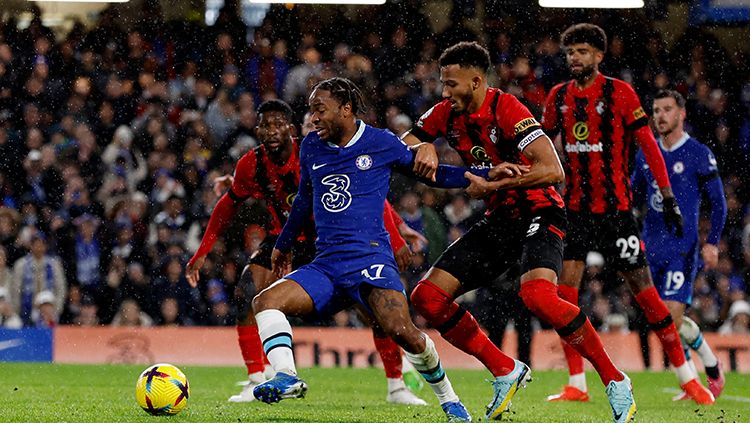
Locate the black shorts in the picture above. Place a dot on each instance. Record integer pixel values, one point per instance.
(614, 235)
(496, 244)
(303, 252)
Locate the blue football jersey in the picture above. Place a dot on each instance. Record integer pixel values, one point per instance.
(348, 186)
(691, 166)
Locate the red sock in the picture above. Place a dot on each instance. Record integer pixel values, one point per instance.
(540, 296)
(459, 327)
(390, 354)
(661, 323)
(252, 348)
(575, 361)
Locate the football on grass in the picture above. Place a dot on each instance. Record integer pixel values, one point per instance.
(162, 389)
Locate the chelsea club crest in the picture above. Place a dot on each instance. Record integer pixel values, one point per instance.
(364, 162)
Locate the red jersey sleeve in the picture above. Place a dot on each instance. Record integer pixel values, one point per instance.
(397, 241)
(433, 123)
(516, 122)
(550, 117)
(630, 106)
(245, 185)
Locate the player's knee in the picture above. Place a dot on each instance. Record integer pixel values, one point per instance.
(264, 301)
(539, 296)
(430, 301)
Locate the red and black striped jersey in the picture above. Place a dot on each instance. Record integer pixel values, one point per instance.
(257, 176)
(496, 133)
(596, 125)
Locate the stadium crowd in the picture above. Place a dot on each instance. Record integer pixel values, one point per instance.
(111, 138)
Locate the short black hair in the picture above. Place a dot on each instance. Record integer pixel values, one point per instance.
(678, 98)
(466, 54)
(276, 106)
(345, 91)
(585, 33)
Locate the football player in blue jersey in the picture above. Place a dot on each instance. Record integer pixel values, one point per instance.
(674, 260)
(345, 174)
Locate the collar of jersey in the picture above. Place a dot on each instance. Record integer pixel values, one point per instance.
(597, 82)
(485, 109)
(355, 138)
(683, 139)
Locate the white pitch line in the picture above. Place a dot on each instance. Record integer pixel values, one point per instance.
(729, 397)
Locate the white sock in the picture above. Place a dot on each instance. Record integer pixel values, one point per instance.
(691, 336)
(395, 384)
(684, 373)
(428, 364)
(276, 335)
(578, 381)
(268, 371)
(406, 365)
(256, 378)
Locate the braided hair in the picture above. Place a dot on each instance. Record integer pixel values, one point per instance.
(345, 91)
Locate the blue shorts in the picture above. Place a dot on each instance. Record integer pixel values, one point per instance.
(335, 282)
(675, 273)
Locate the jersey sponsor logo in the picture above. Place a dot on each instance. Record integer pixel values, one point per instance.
(639, 113)
(678, 167)
(524, 125)
(581, 131)
(338, 198)
(479, 153)
(363, 162)
(582, 147)
(529, 138)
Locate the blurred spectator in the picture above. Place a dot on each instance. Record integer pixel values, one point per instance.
(130, 314)
(738, 322)
(170, 312)
(37, 272)
(45, 313)
(9, 319)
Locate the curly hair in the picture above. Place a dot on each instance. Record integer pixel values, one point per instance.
(585, 33)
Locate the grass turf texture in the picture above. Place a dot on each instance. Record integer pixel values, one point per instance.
(78, 393)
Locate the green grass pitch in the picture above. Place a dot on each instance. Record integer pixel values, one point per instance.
(101, 393)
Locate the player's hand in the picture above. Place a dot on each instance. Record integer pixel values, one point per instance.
(478, 186)
(426, 161)
(672, 216)
(416, 241)
(281, 263)
(710, 254)
(403, 258)
(508, 170)
(222, 183)
(192, 270)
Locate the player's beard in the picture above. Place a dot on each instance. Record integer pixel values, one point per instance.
(584, 74)
(668, 129)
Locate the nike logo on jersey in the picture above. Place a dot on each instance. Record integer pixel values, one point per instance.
(318, 166)
(11, 343)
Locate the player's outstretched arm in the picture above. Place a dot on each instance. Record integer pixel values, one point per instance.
(545, 169)
(222, 214)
